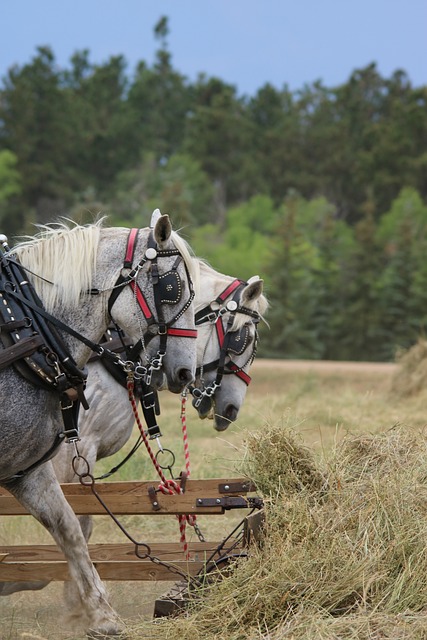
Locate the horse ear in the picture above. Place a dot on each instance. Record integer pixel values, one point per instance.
(162, 229)
(154, 217)
(252, 291)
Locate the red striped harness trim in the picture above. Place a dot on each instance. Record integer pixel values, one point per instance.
(220, 331)
(240, 374)
(141, 301)
(140, 297)
(171, 331)
(183, 333)
(229, 290)
(221, 335)
(130, 249)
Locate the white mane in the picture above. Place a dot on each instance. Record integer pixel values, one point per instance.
(65, 257)
(221, 281)
(189, 259)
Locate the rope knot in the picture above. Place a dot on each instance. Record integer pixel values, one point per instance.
(170, 487)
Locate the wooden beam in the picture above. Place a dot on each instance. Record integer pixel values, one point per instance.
(113, 561)
(124, 498)
(124, 571)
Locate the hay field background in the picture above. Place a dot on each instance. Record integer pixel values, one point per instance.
(322, 402)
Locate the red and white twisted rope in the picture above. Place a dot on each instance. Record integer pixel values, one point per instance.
(167, 487)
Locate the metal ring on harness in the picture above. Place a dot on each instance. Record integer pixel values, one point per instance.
(169, 466)
(80, 475)
(10, 286)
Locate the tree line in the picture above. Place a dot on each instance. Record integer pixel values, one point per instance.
(322, 191)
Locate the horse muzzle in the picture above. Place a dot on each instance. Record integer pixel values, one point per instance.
(223, 420)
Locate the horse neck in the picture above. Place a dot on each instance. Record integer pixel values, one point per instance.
(89, 320)
(87, 314)
(212, 284)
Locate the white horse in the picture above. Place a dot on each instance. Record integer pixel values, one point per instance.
(106, 428)
(82, 281)
(227, 312)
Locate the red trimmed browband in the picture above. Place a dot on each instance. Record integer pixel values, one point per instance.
(182, 333)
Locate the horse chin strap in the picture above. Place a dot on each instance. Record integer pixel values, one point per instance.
(167, 290)
(203, 398)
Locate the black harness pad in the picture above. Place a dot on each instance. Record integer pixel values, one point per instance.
(238, 340)
(170, 287)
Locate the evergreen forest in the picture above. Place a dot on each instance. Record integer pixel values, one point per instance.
(320, 191)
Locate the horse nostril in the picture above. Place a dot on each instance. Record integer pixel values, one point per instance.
(185, 376)
(224, 419)
(231, 412)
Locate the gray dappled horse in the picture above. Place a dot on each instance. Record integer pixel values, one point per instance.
(106, 428)
(75, 273)
(227, 314)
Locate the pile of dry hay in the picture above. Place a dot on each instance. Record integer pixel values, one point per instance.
(344, 553)
(411, 375)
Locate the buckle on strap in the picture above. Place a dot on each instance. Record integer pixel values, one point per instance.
(149, 400)
(70, 435)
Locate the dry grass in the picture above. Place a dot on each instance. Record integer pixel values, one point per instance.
(340, 458)
(344, 552)
(411, 375)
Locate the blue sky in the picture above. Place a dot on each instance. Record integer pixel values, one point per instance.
(244, 42)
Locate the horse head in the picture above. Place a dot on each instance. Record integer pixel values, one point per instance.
(227, 315)
(159, 303)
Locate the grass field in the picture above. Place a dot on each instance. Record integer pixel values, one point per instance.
(323, 401)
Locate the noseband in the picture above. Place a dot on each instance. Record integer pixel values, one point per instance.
(230, 342)
(167, 290)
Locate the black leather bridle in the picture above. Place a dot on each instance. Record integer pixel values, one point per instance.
(167, 289)
(230, 342)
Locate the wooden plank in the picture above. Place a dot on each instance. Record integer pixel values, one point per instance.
(107, 551)
(132, 498)
(113, 562)
(124, 571)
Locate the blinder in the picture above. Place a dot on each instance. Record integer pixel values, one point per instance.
(238, 340)
(170, 288)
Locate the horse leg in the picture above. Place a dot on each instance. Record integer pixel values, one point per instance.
(40, 493)
(71, 591)
(64, 472)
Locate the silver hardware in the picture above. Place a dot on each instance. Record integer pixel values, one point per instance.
(151, 253)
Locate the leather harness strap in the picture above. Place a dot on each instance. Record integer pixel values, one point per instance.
(208, 315)
(151, 256)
